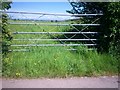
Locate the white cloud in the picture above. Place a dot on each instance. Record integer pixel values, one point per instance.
(39, 17)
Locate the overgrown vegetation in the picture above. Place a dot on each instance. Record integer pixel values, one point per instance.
(6, 35)
(58, 62)
(113, 11)
(110, 38)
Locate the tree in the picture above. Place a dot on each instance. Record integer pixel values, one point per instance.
(5, 5)
(114, 13)
(6, 35)
(109, 21)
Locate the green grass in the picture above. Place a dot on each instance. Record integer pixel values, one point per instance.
(58, 62)
(54, 61)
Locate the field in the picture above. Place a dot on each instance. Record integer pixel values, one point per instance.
(53, 61)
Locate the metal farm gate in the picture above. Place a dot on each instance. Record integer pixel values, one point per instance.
(45, 30)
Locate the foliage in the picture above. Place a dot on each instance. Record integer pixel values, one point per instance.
(114, 13)
(6, 35)
(86, 7)
(6, 5)
(110, 38)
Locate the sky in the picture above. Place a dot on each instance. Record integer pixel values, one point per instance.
(47, 7)
(51, 7)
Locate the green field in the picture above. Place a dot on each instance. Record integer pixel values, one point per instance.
(53, 61)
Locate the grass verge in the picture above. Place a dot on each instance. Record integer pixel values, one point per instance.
(58, 62)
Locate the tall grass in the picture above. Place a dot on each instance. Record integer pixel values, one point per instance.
(58, 62)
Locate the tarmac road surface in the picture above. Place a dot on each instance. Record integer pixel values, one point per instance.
(73, 82)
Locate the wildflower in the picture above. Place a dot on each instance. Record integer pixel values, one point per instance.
(18, 74)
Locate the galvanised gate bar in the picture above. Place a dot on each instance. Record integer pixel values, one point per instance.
(69, 36)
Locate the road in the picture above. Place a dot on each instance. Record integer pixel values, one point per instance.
(74, 82)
